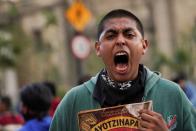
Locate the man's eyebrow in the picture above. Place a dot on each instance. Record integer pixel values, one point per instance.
(107, 32)
(115, 31)
(128, 29)
(111, 31)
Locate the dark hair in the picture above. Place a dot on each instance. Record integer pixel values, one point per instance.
(51, 87)
(180, 76)
(6, 101)
(119, 13)
(84, 78)
(37, 97)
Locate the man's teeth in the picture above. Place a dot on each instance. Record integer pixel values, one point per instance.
(120, 53)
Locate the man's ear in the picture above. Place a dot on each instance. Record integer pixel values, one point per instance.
(145, 45)
(97, 48)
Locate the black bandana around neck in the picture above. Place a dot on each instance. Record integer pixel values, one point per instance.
(111, 93)
(112, 83)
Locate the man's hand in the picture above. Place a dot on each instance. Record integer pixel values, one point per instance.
(152, 121)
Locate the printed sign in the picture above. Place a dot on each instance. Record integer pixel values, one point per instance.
(118, 118)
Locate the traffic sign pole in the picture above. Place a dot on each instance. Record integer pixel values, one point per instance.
(79, 16)
(81, 49)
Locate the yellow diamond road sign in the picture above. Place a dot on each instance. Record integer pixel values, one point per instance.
(78, 15)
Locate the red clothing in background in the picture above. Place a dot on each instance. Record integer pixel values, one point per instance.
(11, 118)
(54, 105)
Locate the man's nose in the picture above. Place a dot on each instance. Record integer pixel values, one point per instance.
(120, 41)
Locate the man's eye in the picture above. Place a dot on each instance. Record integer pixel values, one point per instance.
(110, 36)
(130, 35)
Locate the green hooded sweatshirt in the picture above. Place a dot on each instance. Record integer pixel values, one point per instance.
(168, 100)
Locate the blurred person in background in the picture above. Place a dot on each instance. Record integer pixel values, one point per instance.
(35, 99)
(55, 99)
(9, 119)
(121, 45)
(187, 86)
(83, 79)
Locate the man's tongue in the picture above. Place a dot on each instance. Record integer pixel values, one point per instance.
(121, 67)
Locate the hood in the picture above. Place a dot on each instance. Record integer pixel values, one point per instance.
(151, 80)
(90, 85)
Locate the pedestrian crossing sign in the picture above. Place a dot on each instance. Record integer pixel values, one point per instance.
(78, 15)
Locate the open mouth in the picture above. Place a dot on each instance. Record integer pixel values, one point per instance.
(121, 61)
